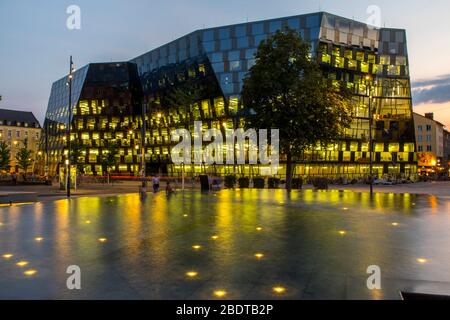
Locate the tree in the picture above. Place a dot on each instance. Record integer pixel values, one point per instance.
(109, 157)
(5, 155)
(77, 158)
(24, 159)
(288, 92)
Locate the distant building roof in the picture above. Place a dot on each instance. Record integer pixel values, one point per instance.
(18, 118)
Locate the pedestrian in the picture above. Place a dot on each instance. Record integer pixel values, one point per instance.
(155, 182)
(169, 189)
(14, 178)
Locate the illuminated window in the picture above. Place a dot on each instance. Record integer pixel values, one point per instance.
(233, 105)
(394, 147)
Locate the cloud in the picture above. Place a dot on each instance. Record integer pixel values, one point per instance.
(432, 90)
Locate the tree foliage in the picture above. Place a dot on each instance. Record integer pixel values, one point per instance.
(110, 157)
(288, 91)
(24, 158)
(5, 156)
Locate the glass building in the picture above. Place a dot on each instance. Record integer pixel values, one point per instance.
(200, 77)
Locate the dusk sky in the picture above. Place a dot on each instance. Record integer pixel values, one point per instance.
(35, 42)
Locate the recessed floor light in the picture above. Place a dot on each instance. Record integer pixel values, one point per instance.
(259, 255)
(215, 237)
(395, 224)
(345, 209)
(22, 263)
(88, 222)
(422, 260)
(39, 239)
(196, 247)
(220, 293)
(192, 274)
(30, 273)
(7, 256)
(259, 229)
(102, 240)
(279, 290)
(342, 232)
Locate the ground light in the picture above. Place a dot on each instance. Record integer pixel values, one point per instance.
(192, 274)
(279, 290)
(214, 237)
(39, 239)
(7, 256)
(395, 224)
(30, 273)
(220, 293)
(422, 260)
(259, 255)
(259, 229)
(102, 240)
(22, 263)
(342, 232)
(196, 247)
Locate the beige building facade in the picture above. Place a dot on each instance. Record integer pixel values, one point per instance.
(430, 143)
(19, 129)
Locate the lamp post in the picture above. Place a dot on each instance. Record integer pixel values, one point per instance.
(143, 130)
(71, 70)
(369, 89)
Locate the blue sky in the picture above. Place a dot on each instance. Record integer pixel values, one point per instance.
(35, 43)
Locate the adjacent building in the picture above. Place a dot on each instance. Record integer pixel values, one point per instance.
(446, 162)
(20, 129)
(200, 77)
(430, 143)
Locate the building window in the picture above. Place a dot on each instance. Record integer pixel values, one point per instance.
(242, 42)
(420, 128)
(429, 148)
(257, 28)
(428, 127)
(420, 138)
(429, 138)
(420, 148)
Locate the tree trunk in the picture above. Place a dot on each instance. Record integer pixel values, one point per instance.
(289, 172)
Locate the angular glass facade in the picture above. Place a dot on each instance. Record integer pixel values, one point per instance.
(215, 61)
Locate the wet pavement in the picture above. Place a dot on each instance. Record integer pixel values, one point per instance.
(243, 244)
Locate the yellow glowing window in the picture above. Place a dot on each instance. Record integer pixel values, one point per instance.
(386, 157)
(220, 107)
(379, 147)
(360, 56)
(364, 67)
(326, 58)
(339, 63)
(371, 58)
(394, 147)
(352, 64)
(347, 156)
(201, 68)
(233, 105)
(409, 147)
(349, 54)
(336, 51)
(85, 136)
(84, 107)
(205, 108)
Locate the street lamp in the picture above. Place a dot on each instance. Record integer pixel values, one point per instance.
(369, 90)
(143, 130)
(71, 70)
